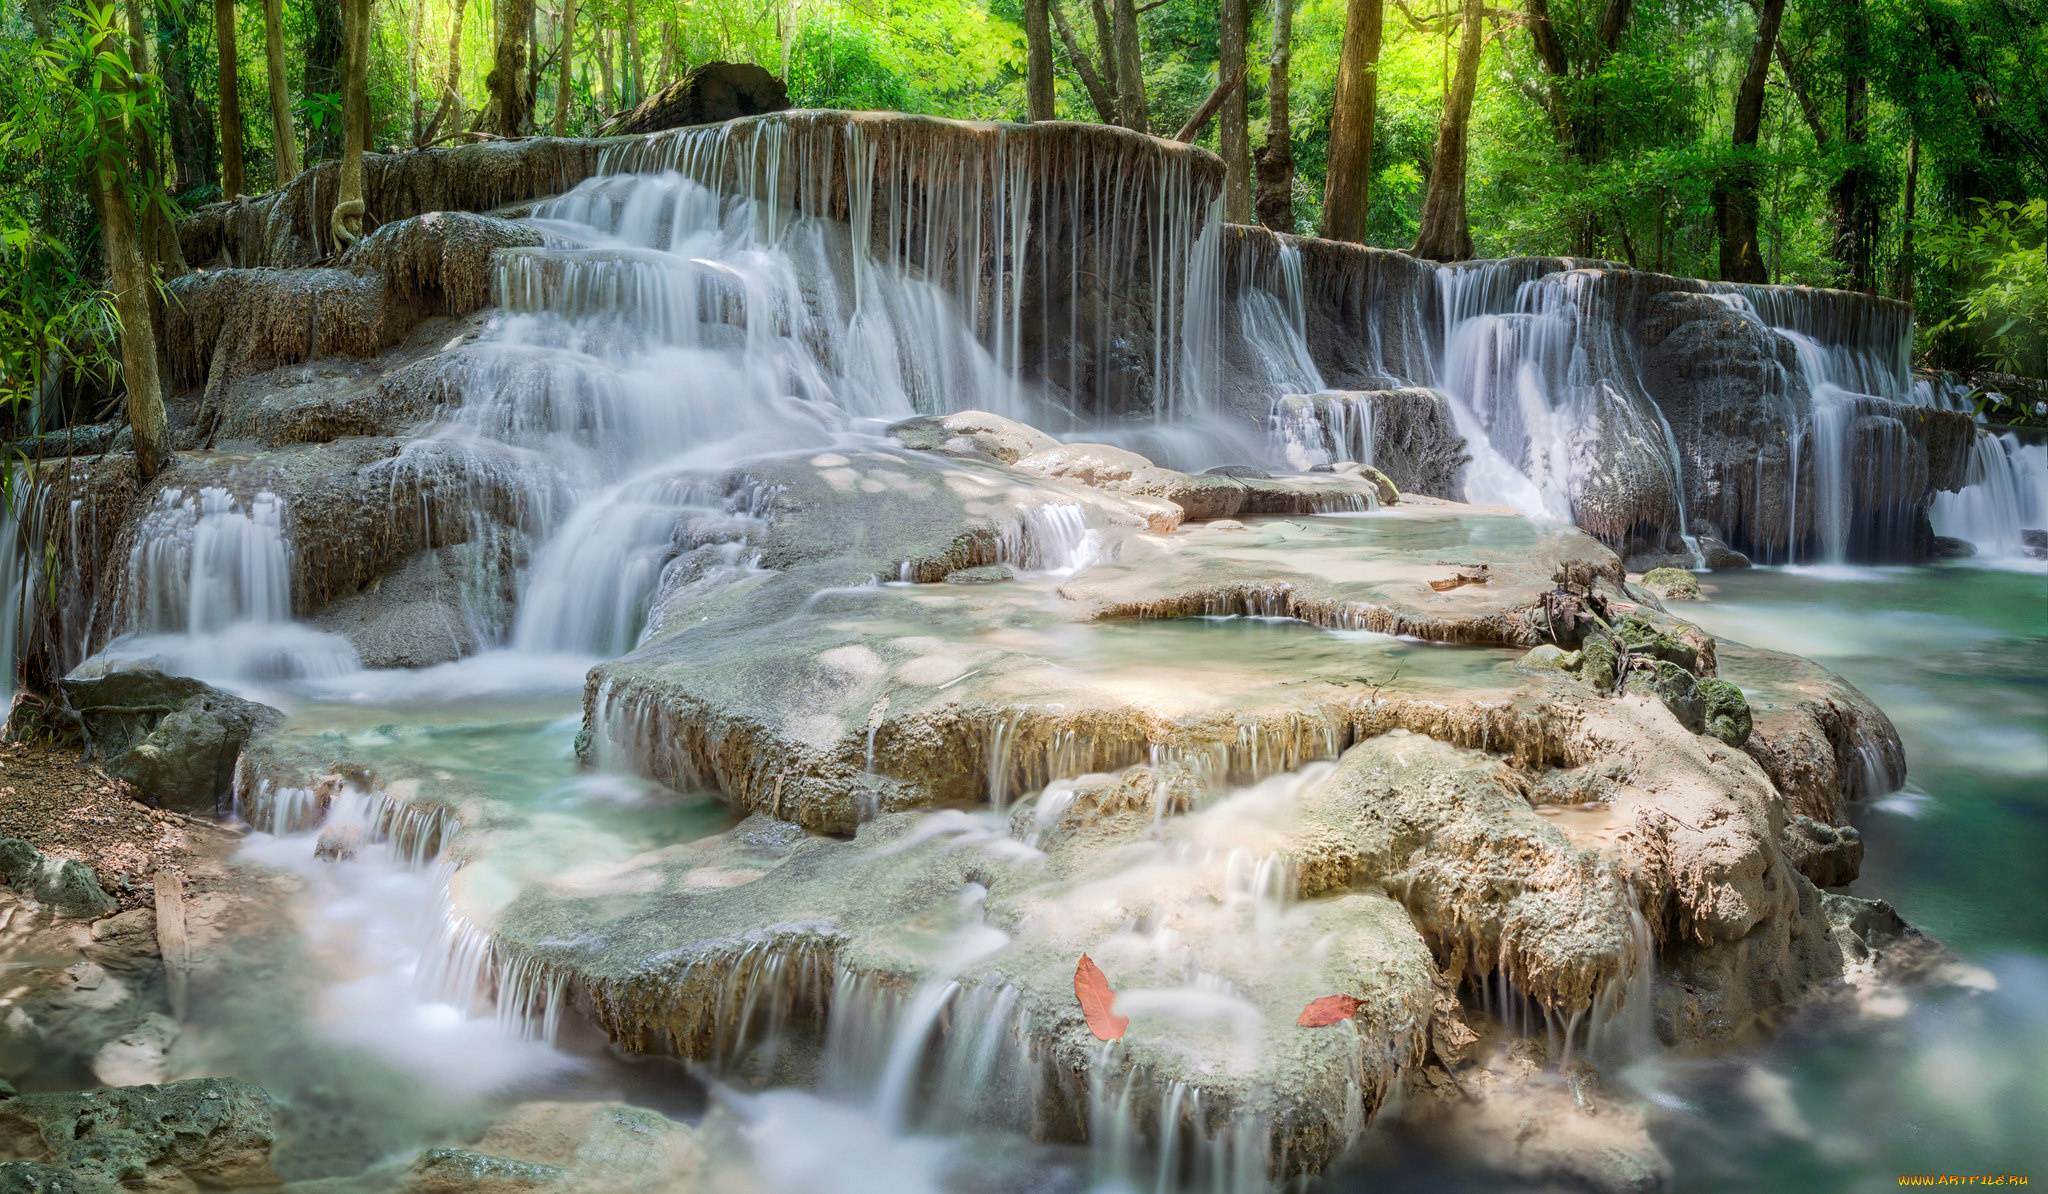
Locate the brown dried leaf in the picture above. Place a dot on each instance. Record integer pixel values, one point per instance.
(1092, 989)
(1327, 1011)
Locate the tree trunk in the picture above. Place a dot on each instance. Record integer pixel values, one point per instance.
(1234, 135)
(1099, 93)
(1853, 215)
(416, 108)
(1906, 278)
(606, 97)
(451, 88)
(231, 181)
(1735, 208)
(159, 239)
(630, 76)
(566, 76)
(325, 78)
(350, 211)
(1274, 163)
(1346, 186)
(129, 276)
(187, 121)
(284, 149)
(1105, 45)
(1130, 70)
(1038, 90)
(508, 116)
(1445, 235)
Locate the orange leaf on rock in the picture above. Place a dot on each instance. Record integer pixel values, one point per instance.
(1327, 1011)
(1092, 989)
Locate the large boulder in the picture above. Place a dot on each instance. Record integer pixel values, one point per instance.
(173, 738)
(707, 94)
(205, 1133)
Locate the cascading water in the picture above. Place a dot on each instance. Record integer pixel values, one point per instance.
(207, 591)
(2006, 494)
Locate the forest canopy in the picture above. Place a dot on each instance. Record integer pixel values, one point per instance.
(1898, 147)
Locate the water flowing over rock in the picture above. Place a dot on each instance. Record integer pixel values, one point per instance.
(1033, 566)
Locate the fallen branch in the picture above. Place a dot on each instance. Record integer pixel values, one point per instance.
(1193, 128)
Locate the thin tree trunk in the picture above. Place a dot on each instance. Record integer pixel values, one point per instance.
(565, 75)
(631, 75)
(1274, 163)
(1130, 70)
(159, 239)
(1735, 208)
(1445, 235)
(231, 182)
(1038, 89)
(451, 88)
(1906, 278)
(1099, 94)
(350, 210)
(1853, 231)
(326, 75)
(1234, 135)
(1347, 183)
(130, 277)
(187, 121)
(284, 149)
(417, 106)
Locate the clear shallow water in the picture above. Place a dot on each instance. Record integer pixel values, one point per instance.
(1935, 1079)
(1943, 1077)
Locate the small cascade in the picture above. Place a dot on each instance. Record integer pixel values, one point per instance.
(1269, 317)
(207, 561)
(2005, 493)
(207, 592)
(1544, 396)
(17, 579)
(1310, 431)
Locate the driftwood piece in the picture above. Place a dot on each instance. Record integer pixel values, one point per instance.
(170, 936)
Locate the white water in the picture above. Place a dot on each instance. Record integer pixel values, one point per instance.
(2007, 493)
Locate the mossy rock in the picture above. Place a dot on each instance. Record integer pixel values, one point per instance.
(1672, 584)
(67, 886)
(1727, 711)
(1672, 684)
(1598, 660)
(1643, 638)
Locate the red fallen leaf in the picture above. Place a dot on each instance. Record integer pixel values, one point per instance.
(1092, 989)
(1327, 1011)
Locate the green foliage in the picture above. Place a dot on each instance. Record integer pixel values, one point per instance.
(2002, 250)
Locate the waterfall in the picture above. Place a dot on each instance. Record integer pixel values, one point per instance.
(207, 592)
(2006, 492)
(17, 581)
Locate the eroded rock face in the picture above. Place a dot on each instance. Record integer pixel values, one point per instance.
(213, 1133)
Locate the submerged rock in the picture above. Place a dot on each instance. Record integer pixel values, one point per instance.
(213, 1133)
